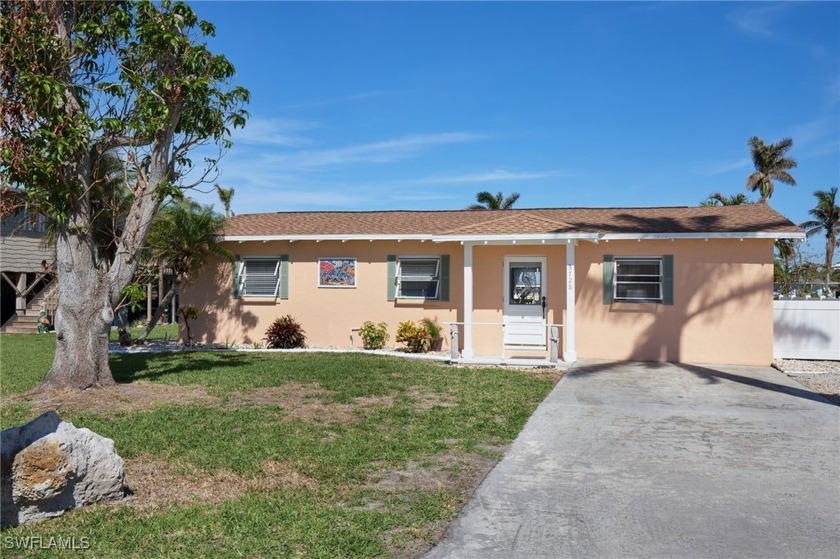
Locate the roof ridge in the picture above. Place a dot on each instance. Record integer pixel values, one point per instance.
(465, 210)
(509, 215)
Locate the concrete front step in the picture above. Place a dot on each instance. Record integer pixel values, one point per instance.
(27, 319)
(17, 329)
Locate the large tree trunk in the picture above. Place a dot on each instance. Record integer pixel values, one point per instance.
(162, 308)
(83, 318)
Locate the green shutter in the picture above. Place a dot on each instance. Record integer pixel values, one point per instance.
(284, 276)
(609, 270)
(668, 279)
(392, 277)
(444, 277)
(237, 278)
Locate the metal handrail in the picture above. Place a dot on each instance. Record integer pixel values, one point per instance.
(553, 338)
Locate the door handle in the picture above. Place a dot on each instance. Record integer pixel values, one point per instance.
(543, 306)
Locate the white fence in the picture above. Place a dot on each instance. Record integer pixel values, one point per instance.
(806, 329)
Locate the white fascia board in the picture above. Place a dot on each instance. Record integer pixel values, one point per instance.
(356, 237)
(746, 235)
(525, 237)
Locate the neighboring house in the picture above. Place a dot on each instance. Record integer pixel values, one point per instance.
(683, 284)
(25, 271)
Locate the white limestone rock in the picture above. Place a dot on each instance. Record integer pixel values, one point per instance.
(49, 466)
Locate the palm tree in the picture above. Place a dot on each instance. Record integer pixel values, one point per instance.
(182, 237)
(826, 216)
(487, 201)
(786, 249)
(770, 163)
(783, 271)
(720, 199)
(226, 197)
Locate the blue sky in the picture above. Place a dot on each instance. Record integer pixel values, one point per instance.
(420, 105)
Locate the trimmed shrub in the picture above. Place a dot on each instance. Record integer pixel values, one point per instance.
(416, 338)
(373, 335)
(432, 326)
(435, 331)
(285, 333)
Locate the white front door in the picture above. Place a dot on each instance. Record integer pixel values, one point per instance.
(524, 313)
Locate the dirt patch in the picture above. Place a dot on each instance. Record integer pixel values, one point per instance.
(115, 399)
(428, 399)
(156, 484)
(306, 402)
(414, 541)
(456, 473)
(445, 472)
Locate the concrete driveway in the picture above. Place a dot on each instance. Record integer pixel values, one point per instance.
(663, 460)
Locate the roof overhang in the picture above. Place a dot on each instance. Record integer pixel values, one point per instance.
(718, 235)
(319, 238)
(524, 238)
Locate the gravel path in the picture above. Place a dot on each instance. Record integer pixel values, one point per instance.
(823, 377)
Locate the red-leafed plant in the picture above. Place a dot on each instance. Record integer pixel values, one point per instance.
(285, 333)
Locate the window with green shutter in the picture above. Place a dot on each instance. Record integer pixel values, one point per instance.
(418, 277)
(634, 279)
(260, 277)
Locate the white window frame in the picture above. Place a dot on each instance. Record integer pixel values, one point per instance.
(646, 259)
(243, 281)
(435, 278)
(355, 275)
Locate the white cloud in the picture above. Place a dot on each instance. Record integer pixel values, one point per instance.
(273, 132)
(833, 91)
(814, 130)
(353, 97)
(831, 147)
(723, 167)
(420, 197)
(496, 175)
(297, 198)
(377, 152)
(757, 21)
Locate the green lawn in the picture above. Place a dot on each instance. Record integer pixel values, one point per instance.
(159, 332)
(341, 422)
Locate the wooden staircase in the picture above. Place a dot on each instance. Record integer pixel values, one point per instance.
(27, 323)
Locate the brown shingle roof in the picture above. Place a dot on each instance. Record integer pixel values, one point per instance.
(750, 218)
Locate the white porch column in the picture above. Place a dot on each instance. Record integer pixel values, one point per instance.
(569, 352)
(467, 352)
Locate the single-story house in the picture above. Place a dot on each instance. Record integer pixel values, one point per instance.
(680, 284)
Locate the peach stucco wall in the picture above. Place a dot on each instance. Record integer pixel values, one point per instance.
(326, 314)
(722, 311)
(488, 291)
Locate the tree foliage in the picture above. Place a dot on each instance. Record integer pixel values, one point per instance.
(226, 198)
(826, 220)
(183, 237)
(82, 83)
(721, 199)
(489, 201)
(770, 164)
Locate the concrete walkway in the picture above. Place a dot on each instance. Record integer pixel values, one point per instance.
(663, 460)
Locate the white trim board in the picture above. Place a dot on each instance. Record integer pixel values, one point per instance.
(525, 238)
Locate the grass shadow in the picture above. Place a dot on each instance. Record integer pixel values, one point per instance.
(128, 368)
